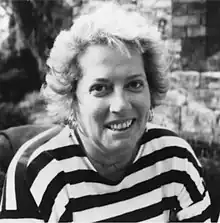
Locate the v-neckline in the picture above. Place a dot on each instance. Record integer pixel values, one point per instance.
(110, 180)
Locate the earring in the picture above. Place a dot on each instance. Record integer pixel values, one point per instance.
(72, 121)
(151, 115)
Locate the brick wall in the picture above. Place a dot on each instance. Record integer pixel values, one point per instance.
(196, 24)
(192, 105)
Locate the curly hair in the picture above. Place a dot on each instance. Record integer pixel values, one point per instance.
(109, 25)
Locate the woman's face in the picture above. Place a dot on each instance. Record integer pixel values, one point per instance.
(113, 99)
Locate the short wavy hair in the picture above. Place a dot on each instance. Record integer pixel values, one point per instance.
(110, 25)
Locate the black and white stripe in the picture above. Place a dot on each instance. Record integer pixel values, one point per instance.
(61, 184)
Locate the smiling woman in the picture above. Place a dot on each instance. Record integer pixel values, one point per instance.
(113, 106)
(108, 163)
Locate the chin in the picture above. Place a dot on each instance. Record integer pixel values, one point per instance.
(122, 145)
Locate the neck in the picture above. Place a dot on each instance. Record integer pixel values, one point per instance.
(111, 165)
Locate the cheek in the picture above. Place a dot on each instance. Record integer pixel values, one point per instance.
(99, 114)
(144, 111)
(143, 104)
(94, 114)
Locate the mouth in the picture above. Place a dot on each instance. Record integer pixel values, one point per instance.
(121, 126)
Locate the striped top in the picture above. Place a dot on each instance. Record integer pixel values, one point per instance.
(55, 182)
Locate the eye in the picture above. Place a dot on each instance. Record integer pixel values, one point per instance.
(99, 89)
(135, 85)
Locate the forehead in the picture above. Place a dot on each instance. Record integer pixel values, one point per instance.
(99, 60)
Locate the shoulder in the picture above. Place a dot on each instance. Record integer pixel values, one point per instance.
(163, 136)
(166, 143)
(169, 154)
(155, 131)
(160, 134)
(50, 147)
(31, 147)
(17, 173)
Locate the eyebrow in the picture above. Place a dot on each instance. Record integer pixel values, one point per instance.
(129, 78)
(136, 75)
(102, 80)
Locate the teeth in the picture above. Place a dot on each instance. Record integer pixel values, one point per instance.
(121, 126)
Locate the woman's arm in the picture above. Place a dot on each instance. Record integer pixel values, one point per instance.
(194, 200)
(17, 203)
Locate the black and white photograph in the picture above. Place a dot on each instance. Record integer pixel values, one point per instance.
(109, 111)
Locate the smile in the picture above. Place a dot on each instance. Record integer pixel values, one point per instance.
(121, 126)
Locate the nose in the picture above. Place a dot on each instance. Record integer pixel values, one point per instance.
(120, 102)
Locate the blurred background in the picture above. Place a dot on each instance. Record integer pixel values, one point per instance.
(189, 31)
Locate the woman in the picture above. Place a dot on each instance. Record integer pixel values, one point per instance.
(108, 163)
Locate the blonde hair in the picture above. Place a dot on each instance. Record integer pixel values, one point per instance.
(109, 25)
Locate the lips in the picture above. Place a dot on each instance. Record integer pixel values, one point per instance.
(120, 125)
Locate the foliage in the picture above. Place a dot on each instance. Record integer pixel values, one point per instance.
(30, 110)
(33, 26)
(11, 115)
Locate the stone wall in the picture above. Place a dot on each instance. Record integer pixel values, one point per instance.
(196, 24)
(192, 105)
